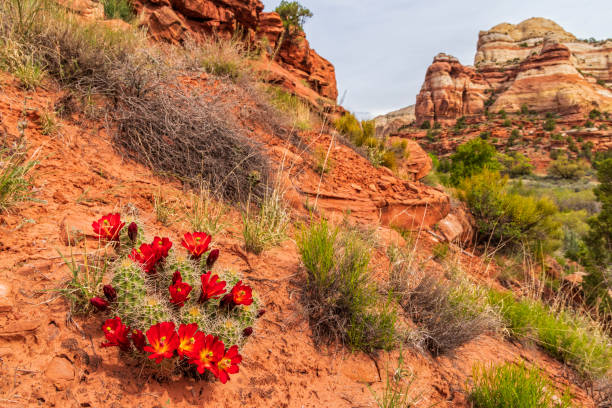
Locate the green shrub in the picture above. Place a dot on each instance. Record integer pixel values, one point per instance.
(293, 14)
(550, 124)
(594, 114)
(564, 168)
(118, 9)
(598, 257)
(514, 164)
(524, 109)
(507, 123)
(572, 338)
(485, 135)
(506, 218)
(513, 386)
(502, 114)
(339, 296)
(471, 158)
(426, 125)
(322, 162)
(349, 126)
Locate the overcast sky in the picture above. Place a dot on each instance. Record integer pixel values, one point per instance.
(382, 48)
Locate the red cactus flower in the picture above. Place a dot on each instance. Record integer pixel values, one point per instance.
(163, 341)
(146, 256)
(196, 243)
(179, 292)
(212, 288)
(108, 227)
(161, 246)
(228, 364)
(99, 303)
(109, 292)
(116, 333)
(189, 339)
(132, 231)
(239, 295)
(247, 331)
(212, 258)
(207, 352)
(139, 340)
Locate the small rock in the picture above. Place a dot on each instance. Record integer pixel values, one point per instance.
(60, 372)
(20, 328)
(59, 197)
(74, 229)
(372, 187)
(6, 299)
(356, 187)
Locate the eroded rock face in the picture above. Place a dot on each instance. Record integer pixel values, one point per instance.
(175, 20)
(450, 90)
(295, 55)
(535, 63)
(394, 121)
(303, 71)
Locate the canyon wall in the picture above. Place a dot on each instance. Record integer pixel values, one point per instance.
(535, 63)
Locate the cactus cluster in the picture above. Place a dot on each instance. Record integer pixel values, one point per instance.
(143, 300)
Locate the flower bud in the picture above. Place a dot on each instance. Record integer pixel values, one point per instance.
(247, 331)
(176, 277)
(133, 231)
(139, 340)
(99, 303)
(110, 293)
(260, 312)
(212, 258)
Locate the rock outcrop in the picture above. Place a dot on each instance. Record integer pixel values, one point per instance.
(394, 121)
(175, 20)
(295, 55)
(535, 63)
(295, 65)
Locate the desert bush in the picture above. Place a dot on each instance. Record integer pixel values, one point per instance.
(513, 386)
(293, 14)
(598, 256)
(448, 315)
(564, 168)
(339, 297)
(164, 211)
(514, 164)
(506, 218)
(425, 125)
(471, 158)
(349, 126)
(507, 123)
(567, 335)
(267, 226)
(549, 124)
(121, 9)
(15, 175)
(148, 106)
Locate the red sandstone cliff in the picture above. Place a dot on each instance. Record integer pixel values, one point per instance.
(300, 69)
(535, 63)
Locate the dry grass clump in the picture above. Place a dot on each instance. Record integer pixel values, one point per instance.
(15, 172)
(448, 314)
(175, 129)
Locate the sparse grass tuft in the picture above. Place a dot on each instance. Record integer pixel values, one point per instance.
(514, 386)
(340, 298)
(206, 214)
(164, 211)
(323, 161)
(29, 73)
(15, 168)
(121, 9)
(572, 338)
(48, 123)
(298, 110)
(268, 226)
(397, 391)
